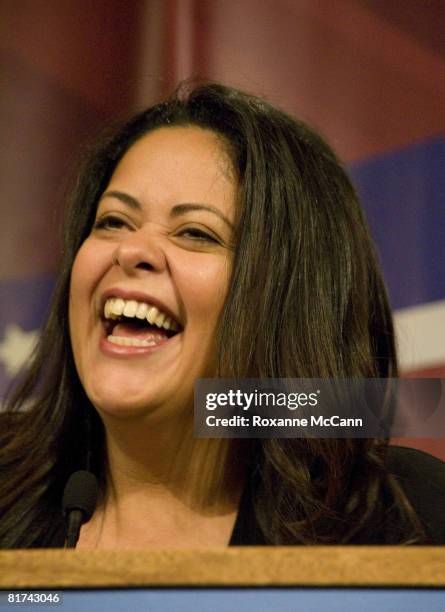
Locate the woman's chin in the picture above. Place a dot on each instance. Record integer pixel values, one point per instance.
(121, 400)
(123, 411)
(152, 407)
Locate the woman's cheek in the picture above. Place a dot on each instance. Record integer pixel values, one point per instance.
(88, 269)
(205, 285)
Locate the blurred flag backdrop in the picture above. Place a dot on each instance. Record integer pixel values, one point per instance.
(368, 74)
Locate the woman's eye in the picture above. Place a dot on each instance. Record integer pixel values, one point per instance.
(109, 223)
(196, 234)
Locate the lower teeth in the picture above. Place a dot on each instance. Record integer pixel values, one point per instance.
(125, 341)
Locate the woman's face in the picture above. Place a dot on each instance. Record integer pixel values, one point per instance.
(159, 255)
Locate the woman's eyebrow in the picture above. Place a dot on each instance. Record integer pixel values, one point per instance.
(181, 209)
(123, 197)
(176, 211)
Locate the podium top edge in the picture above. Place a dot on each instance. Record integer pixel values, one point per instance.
(316, 566)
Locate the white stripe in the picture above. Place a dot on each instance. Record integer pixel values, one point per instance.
(420, 334)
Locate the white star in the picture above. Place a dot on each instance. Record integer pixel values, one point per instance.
(16, 347)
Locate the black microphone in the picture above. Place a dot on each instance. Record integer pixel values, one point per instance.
(78, 503)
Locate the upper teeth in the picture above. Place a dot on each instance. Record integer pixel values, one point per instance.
(116, 307)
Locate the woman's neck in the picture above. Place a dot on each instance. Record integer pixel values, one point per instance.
(167, 488)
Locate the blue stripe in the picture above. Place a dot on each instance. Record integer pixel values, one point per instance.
(403, 194)
(25, 302)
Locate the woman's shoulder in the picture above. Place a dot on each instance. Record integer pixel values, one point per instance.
(422, 478)
(418, 468)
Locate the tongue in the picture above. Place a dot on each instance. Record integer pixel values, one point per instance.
(128, 330)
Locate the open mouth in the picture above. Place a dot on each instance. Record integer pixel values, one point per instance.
(138, 324)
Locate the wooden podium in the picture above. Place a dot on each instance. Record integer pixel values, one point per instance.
(299, 572)
(320, 566)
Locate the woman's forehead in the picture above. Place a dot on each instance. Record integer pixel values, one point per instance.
(174, 146)
(181, 164)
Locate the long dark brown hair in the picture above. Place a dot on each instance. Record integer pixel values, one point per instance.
(306, 300)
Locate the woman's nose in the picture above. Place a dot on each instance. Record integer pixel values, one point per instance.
(139, 251)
